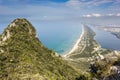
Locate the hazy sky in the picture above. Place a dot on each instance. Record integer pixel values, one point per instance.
(59, 10)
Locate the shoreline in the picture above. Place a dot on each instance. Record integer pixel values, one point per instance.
(75, 46)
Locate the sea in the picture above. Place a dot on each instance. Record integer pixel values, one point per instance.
(61, 36)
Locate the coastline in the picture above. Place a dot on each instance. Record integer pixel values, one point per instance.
(75, 46)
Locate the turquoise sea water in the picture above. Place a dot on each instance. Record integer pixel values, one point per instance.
(59, 36)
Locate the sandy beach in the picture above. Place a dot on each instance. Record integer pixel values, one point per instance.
(76, 44)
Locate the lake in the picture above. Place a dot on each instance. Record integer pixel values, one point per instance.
(106, 39)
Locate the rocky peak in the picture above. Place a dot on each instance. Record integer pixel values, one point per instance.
(19, 26)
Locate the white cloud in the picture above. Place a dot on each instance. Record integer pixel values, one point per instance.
(92, 15)
(88, 15)
(54, 11)
(38, 12)
(118, 14)
(99, 2)
(110, 14)
(74, 4)
(96, 15)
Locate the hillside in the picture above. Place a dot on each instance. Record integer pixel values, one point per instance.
(23, 57)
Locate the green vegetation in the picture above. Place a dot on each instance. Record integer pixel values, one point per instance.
(23, 57)
(103, 69)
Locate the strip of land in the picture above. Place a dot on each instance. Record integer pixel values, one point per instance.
(78, 41)
(85, 50)
(86, 41)
(76, 45)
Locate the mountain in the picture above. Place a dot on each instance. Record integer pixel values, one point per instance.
(24, 57)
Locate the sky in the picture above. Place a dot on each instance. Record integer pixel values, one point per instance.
(60, 10)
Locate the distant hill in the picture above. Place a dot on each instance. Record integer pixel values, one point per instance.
(23, 57)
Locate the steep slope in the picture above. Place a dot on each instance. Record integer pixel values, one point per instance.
(23, 57)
